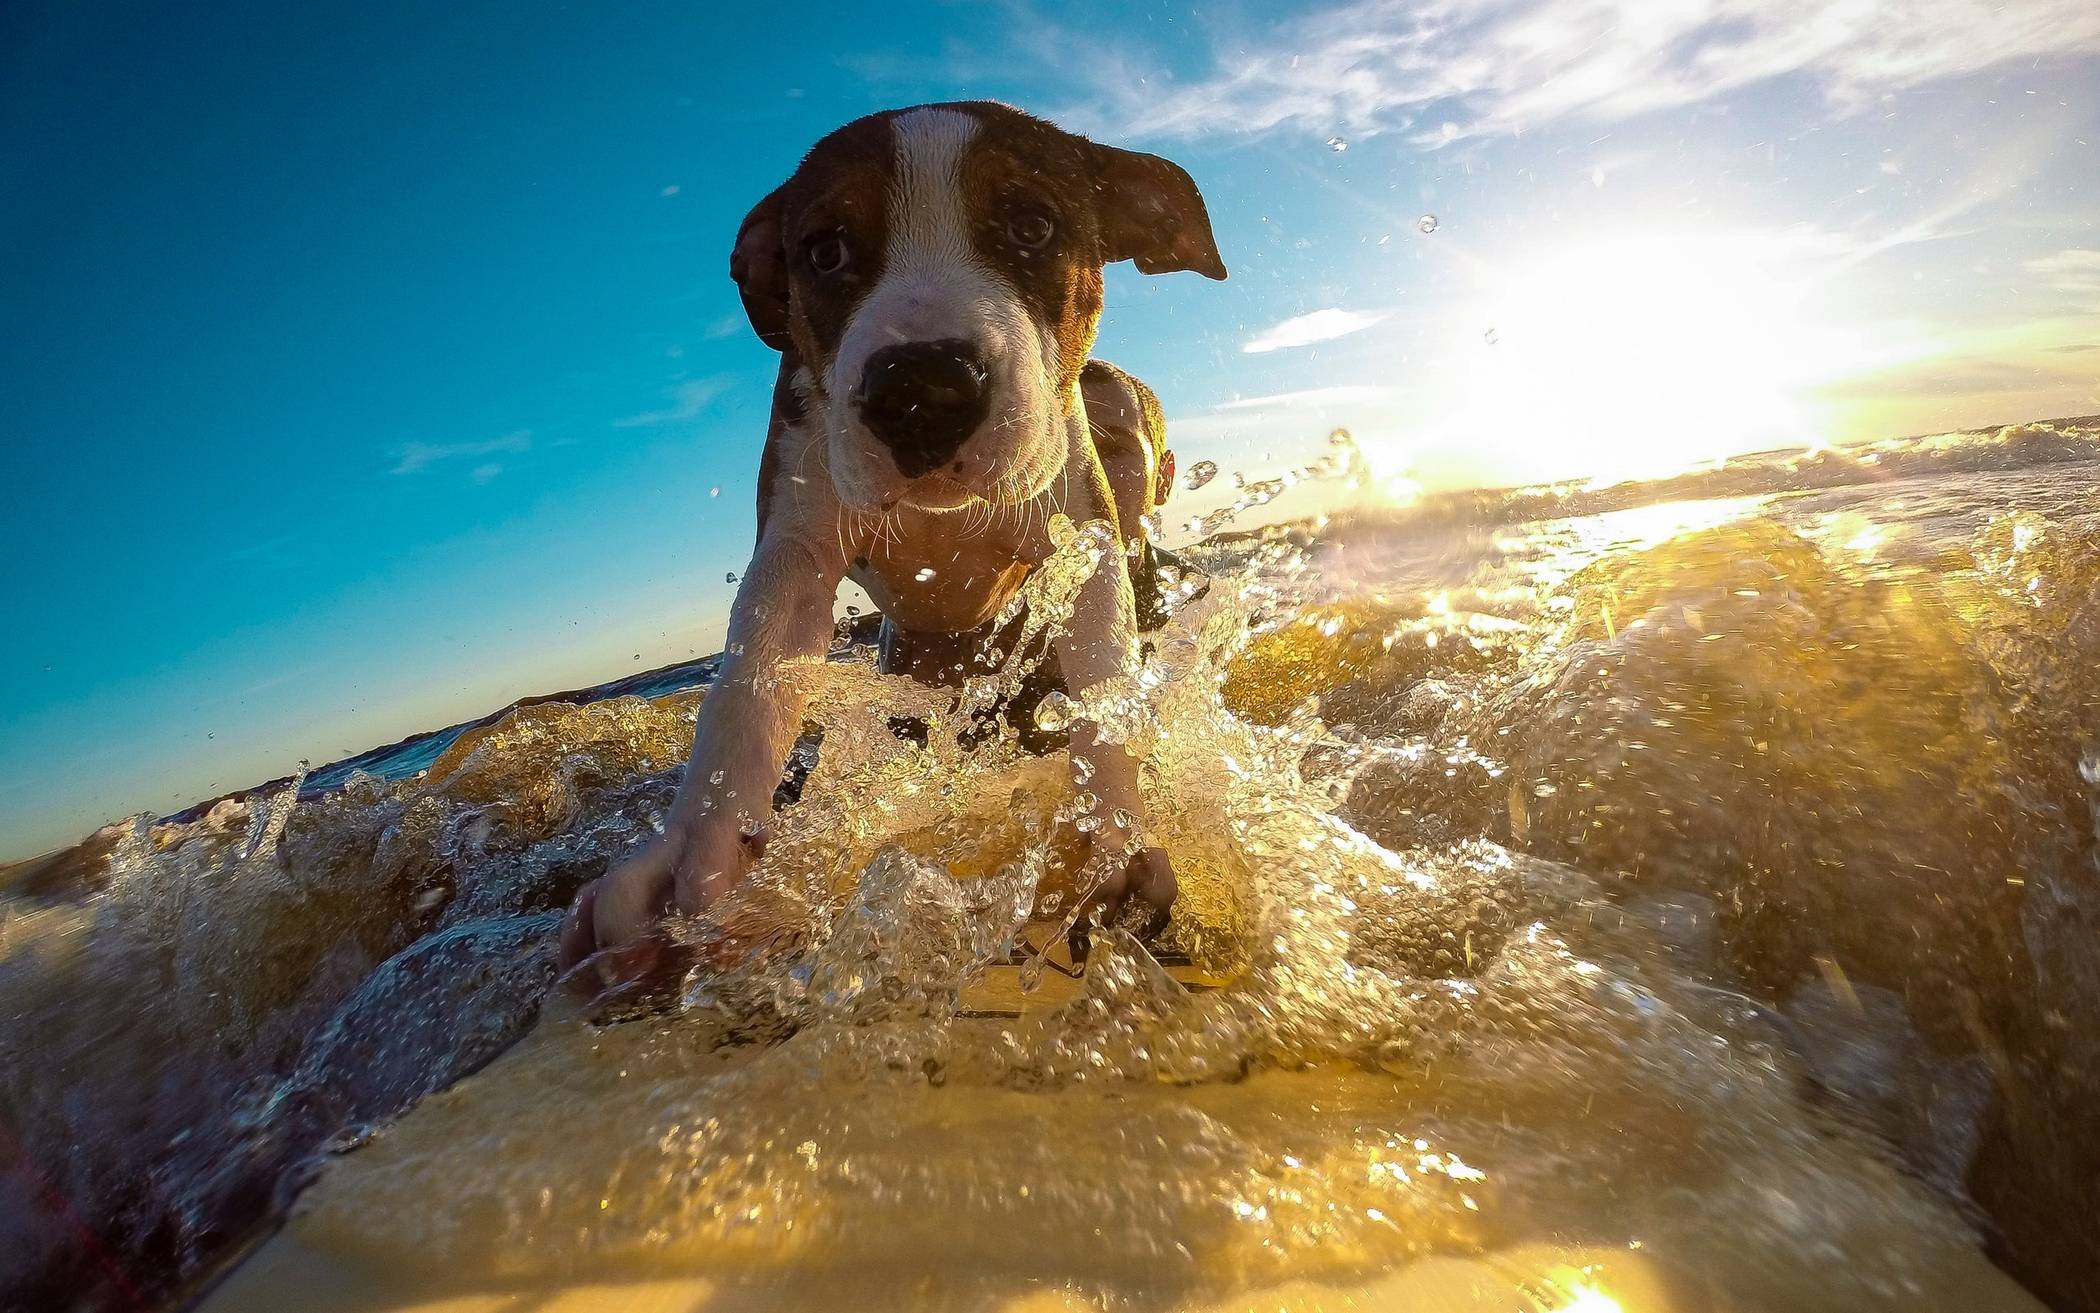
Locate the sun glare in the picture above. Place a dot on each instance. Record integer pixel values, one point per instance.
(1589, 1299)
(1636, 357)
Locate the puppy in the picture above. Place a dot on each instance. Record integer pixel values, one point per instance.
(932, 280)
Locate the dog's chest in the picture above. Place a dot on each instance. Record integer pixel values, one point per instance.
(939, 573)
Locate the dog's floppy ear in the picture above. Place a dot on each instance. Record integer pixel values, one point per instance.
(1152, 213)
(758, 262)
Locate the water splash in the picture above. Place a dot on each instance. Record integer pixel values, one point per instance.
(1491, 849)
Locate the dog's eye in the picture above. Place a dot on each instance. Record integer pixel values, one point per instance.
(1030, 228)
(828, 253)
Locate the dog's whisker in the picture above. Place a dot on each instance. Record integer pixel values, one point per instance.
(838, 524)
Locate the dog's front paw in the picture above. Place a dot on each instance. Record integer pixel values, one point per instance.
(1139, 891)
(685, 869)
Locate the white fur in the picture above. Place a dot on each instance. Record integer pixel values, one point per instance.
(934, 285)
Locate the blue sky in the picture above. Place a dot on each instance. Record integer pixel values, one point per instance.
(369, 366)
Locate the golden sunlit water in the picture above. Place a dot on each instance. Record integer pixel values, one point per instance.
(1543, 882)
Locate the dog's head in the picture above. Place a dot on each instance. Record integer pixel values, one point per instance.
(938, 272)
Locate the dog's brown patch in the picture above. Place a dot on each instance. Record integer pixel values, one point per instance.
(840, 190)
(1019, 166)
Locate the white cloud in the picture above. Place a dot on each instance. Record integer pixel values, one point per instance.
(1285, 417)
(419, 456)
(1335, 396)
(2074, 272)
(688, 400)
(270, 551)
(1304, 330)
(1441, 69)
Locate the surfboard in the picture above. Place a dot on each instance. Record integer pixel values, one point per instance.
(351, 1247)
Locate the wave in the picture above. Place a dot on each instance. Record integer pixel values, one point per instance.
(1717, 886)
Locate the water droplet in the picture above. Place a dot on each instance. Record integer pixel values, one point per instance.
(1054, 713)
(1427, 223)
(1202, 472)
(1337, 145)
(925, 573)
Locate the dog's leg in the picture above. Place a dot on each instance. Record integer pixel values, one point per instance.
(750, 718)
(1098, 643)
(746, 727)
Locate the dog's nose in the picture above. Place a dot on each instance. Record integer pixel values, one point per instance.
(922, 400)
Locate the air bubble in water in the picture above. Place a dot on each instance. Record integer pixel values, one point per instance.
(1202, 472)
(1427, 223)
(1491, 337)
(1337, 145)
(2089, 769)
(925, 573)
(729, 578)
(715, 491)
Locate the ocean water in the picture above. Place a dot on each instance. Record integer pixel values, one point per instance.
(1698, 876)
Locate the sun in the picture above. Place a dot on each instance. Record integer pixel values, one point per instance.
(1635, 356)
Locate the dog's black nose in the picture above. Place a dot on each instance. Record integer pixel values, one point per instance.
(922, 399)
